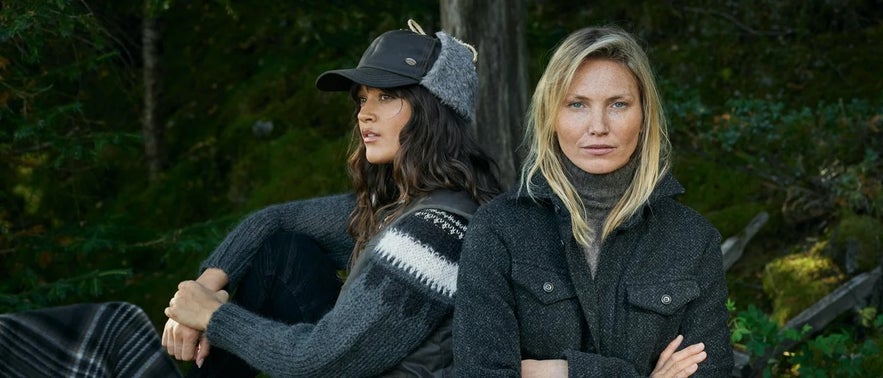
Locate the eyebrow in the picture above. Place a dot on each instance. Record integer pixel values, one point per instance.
(614, 97)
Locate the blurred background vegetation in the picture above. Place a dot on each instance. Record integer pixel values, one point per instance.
(774, 106)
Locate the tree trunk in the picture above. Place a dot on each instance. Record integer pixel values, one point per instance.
(496, 29)
(151, 129)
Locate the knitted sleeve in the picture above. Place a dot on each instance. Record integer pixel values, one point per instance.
(402, 294)
(323, 219)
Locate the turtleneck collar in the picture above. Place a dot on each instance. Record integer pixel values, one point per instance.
(600, 192)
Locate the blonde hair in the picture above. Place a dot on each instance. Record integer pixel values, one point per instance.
(545, 155)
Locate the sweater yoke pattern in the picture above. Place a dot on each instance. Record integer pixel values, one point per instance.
(425, 246)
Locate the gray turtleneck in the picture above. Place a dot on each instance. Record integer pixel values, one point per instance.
(599, 194)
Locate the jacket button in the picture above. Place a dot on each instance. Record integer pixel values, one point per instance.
(666, 299)
(548, 287)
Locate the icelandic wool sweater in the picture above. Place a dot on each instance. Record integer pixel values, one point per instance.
(525, 292)
(403, 293)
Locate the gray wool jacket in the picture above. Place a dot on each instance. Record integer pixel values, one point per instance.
(525, 290)
(388, 318)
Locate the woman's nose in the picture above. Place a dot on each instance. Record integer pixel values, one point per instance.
(596, 124)
(365, 113)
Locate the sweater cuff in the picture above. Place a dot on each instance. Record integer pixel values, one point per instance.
(230, 325)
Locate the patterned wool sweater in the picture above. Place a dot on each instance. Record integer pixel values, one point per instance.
(402, 293)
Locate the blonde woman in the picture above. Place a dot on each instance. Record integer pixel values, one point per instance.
(591, 267)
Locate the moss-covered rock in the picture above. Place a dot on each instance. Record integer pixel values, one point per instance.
(858, 238)
(796, 281)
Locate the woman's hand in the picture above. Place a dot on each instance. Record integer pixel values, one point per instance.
(543, 368)
(193, 305)
(186, 343)
(680, 364)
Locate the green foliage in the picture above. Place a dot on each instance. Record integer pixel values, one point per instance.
(712, 194)
(52, 55)
(758, 333)
(834, 355)
(770, 140)
(86, 285)
(837, 354)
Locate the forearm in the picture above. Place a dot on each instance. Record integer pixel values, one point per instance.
(586, 365)
(365, 334)
(213, 278)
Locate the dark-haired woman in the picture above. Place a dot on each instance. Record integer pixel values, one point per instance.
(417, 177)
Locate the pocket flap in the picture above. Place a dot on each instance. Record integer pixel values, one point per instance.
(549, 286)
(663, 297)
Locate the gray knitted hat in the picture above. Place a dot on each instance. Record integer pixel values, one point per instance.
(443, 65)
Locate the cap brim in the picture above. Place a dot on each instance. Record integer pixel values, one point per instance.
(343, 80)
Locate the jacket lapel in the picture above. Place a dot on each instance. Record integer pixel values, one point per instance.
(580, 274)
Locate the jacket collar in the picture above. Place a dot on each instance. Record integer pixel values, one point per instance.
(667, 186)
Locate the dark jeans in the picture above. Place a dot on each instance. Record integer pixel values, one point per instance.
(290, 280)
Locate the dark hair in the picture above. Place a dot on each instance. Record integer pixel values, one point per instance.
(436, 152)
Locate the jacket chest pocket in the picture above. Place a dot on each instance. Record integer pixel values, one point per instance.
(547, 309)
(653, 315)
(664, 298)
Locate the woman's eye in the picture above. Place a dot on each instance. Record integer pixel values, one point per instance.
(576, 105)
(362, 100)
(619, 104)
(386, 97)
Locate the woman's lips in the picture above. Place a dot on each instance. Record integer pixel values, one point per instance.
(598, 149)
(369, 136)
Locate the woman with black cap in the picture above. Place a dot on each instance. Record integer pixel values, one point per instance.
(417, 177)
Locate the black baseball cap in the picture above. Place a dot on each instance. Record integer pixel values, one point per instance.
(394, 59)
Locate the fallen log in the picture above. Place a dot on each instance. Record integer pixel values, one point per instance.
(734, 246)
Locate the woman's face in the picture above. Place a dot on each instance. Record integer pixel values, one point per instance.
(381, 117)
(599, 122)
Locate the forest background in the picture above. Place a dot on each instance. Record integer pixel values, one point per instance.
(134, 135)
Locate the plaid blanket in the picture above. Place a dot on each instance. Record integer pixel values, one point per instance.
(111, 339)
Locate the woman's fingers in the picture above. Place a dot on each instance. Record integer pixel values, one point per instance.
(185, 342)
(222, 295)
(186, 309)
(202, 351)
(669, 350)
(167, 337)
(682, 363)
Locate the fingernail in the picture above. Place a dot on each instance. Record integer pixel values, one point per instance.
(199, 362)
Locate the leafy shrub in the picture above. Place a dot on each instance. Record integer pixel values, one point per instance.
(837, 354)
(817, 159)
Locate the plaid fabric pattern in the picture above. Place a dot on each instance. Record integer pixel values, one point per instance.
(113, 339)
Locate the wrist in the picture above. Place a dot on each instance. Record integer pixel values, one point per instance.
(210, 313)
(213, 278)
